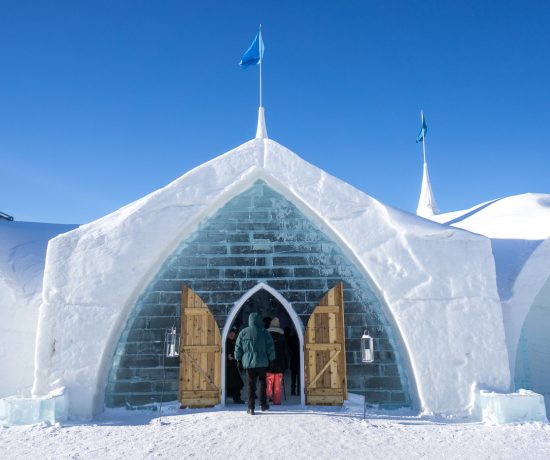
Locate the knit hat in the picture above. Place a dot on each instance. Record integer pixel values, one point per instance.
(274, 322)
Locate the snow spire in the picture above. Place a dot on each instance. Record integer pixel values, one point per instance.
(261, 130)
(426, 203)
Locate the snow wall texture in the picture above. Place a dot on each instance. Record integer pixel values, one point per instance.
(259, 236)
(22, 254)
(519, 229)
(438, 283)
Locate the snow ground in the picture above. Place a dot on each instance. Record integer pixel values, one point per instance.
(283, 432)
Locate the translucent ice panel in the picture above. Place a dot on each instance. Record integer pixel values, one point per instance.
(21, 410)
(523, 406)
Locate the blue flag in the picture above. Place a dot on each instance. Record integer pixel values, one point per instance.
(422, 132)
(255, 53)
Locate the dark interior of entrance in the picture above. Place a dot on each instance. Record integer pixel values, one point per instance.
(264, 303)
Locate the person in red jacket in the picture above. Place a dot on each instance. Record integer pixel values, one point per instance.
(277, 367)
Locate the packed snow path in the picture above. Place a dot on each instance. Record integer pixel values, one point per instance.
(292, 433)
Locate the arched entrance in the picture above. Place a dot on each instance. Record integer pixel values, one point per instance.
(297, 323)
(258, 237)
(322, 356)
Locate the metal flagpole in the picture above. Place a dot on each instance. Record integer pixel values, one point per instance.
(423, 135)
(260, 45)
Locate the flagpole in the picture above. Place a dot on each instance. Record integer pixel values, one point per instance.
(423, 134)
(260, 44)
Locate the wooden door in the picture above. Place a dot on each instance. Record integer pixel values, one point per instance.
(200, 353)
(325, 351)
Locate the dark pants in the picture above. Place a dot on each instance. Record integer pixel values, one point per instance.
(253, 373)
(295, 379)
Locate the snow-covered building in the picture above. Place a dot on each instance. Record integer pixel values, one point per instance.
(519, 230)
(22, 254)
(259, 228)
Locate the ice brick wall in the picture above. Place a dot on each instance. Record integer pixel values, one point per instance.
(259, 236)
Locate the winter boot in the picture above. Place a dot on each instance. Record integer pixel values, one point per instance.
(250, 411)
(265, 407)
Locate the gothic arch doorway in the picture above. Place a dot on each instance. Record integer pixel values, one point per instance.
(322, 370)
(294, 318)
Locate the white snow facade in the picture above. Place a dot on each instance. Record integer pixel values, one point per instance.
(519, 229)
(431, 295)
(428, 291)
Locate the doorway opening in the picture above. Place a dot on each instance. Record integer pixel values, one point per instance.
(269, 303)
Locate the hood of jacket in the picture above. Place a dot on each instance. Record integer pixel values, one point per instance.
(255, 320)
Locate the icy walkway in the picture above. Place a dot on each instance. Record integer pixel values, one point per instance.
(292, 433)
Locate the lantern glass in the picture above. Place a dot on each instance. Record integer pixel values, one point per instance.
(172, 341)
(367, 348)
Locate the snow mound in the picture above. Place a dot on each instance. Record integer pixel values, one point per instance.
(523, 217)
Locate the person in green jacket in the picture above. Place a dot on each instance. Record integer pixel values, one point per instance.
(254, 351)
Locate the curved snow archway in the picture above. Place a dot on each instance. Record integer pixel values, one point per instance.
(298, 325)
(257, 236)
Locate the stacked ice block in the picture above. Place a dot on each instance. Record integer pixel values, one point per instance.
(23, 410)
(520, 407)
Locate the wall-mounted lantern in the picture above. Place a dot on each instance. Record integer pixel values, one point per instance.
(367, 348)
(172, 341)
(367, 356)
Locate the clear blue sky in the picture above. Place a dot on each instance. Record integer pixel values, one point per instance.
(102, 102)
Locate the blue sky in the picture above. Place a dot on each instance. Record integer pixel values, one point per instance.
(102, 102)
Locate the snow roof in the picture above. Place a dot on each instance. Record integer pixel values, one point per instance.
(523, 217)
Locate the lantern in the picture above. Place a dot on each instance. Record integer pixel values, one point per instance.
(172, 341)
(367, 348)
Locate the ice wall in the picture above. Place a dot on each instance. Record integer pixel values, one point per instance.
(257, 237)
(438, 283)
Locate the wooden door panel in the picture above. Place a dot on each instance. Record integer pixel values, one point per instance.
(325, 351)
(200, 353)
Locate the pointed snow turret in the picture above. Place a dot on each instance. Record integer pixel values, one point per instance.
(261, 130)
(426, 203)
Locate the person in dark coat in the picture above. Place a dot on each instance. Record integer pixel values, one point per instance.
(233, 380)
(278, 366)
(293, 344)
(254, 350)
